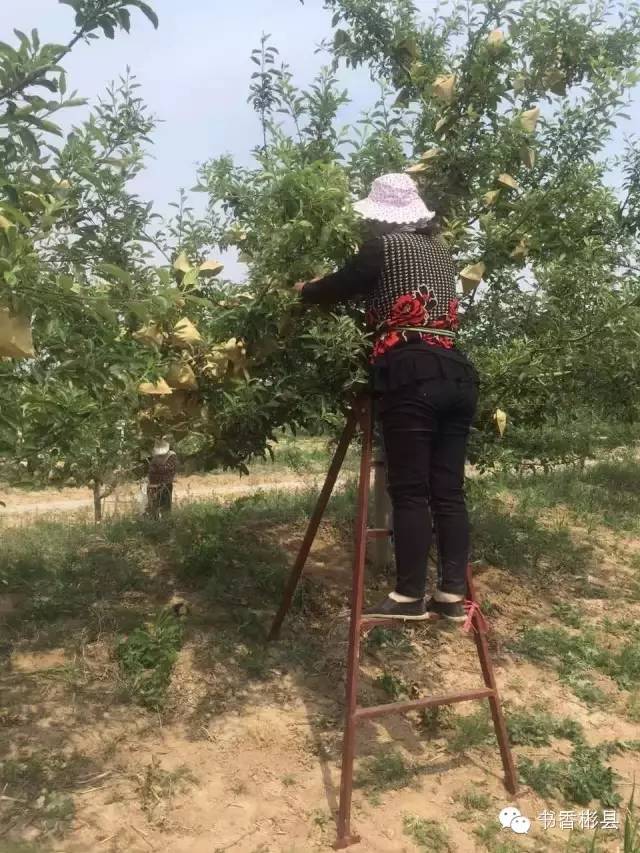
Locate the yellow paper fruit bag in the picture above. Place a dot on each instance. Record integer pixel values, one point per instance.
(15, 335)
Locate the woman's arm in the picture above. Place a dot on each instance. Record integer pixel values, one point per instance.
(355, 278)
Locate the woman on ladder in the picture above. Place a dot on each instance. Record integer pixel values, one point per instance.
(425, 389)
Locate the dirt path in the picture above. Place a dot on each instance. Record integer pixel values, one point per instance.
(128, 497)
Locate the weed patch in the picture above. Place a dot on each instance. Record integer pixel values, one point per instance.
(387, 771)
(435, 722)
(34, 786)
(156, 786)
(476, 801)
(581, 779)
(147, 657)
(429, 835)
(387, 638)
(536, 728)
(574, 656)
(470, 731)
(633, 707)
(395, 688)
(567, 614)
(488, 833)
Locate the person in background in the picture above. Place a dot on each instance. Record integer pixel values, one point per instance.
(162, 473)
(425, 389)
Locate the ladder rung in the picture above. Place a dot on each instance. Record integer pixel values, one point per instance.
(366, 624)
(434, 701)
(378, 532)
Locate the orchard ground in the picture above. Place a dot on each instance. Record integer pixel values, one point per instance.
(124, 727)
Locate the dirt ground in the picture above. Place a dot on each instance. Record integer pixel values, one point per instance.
(44, 503)
(254, 767)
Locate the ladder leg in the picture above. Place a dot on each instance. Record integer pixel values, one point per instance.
(314, 521)
(345, 838)
(510, 776)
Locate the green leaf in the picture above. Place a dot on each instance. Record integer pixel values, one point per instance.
(29, 141)
(43, 124)
(24, 41)
(108, 29)
(189, 278)
(9, 51)
(15, 214)
(181, 263)
(146, 10)
(113, 271)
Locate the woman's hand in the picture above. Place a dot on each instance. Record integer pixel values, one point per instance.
(298, 286)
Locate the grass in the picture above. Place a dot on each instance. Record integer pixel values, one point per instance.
(429, 835)
(35, 788)
(545, 645)
(631, 829)
(64, 566)
(603, 494)
(78, 583)
(76, 578)
(504, 536)
(585, 690)
(574, 655)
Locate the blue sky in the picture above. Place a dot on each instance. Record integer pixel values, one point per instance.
(194, 72)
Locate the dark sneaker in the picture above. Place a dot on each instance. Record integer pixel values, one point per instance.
(390, 609)
(452, 610)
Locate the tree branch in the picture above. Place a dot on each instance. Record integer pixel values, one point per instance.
(28, 79)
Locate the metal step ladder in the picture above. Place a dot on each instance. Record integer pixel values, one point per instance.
(361, 415)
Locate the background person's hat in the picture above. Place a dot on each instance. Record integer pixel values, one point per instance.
(394, 198)
(161, 447)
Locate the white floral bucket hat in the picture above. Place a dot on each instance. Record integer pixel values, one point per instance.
(394, 198)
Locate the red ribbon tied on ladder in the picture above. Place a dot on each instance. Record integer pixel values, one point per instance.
(473, 609)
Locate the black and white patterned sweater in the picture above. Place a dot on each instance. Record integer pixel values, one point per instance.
(406, 279)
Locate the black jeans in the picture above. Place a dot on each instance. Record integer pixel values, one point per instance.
(425, 427)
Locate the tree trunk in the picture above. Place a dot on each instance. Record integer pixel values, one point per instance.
(97, 502)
